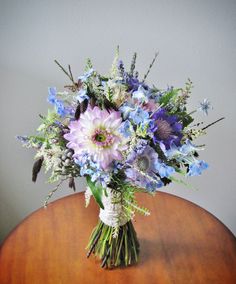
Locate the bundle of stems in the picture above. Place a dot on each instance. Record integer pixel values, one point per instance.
(119, 250)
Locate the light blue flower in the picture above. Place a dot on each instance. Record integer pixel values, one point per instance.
(91, 168)
(61, 110)
(52, 92)
(86, 75)
(86, 171)
(189, 147)
(141, 146)
(205, 106)
(81, 96)
(126, 129)
(138, 149)
(59, 105)
(139, 116)
(82, 159)
(173, 151)
(141, 95)
(152, 186)
(103, 179)
(117, 166)
(126, 109)
(164, 170)
(196, 168)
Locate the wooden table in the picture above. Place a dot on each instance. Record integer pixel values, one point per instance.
(180, 243)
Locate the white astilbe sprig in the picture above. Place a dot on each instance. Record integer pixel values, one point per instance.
(51, 156)
(51, 160)
(87, 195)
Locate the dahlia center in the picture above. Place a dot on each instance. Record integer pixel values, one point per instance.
(143, 163)
(164, 129)
(102, 138)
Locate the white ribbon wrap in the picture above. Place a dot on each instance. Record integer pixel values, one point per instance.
(113, 213)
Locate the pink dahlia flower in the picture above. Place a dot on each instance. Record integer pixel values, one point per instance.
(96, 132)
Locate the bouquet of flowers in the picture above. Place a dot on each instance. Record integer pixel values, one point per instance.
(124, 137)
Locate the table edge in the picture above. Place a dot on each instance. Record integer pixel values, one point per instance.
(82, 192)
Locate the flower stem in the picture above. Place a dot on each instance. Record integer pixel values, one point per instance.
(213, 123)
(123, 250)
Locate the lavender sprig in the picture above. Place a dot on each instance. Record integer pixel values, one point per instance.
(150, 66)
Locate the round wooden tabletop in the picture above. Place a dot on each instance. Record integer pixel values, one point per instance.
(180, 243)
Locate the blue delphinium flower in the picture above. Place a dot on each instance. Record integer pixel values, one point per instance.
(93, 169)
(86, 75)
(117, 166)
(139, 116)
(82, 159)
(125, 109)
(137, 149)
(59, 105)
(102, 178)
(82, 95)
(173, 150)
(153, 186)
(52, 92)
(205, 106)
(188, 147)
(163, 169)
(61, 110)
(126, 129)
(141, 95)
(141, 146)
(196, 168)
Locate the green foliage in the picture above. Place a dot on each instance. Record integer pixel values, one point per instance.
(185, 118)
(88, 65)
(50, 130)
(165, 99)
(140, 209)
(97, 191)
(48, 121)
(188, 86)
(35, 141)
(126, 197)
(141, 130)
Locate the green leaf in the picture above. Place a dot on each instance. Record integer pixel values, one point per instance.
(88, 65)
(41, 127)
(164, 100)
(97, 191)
(185, 118)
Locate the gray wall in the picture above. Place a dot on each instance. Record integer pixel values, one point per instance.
(196, 39)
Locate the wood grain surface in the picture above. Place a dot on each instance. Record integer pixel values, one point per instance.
(180, 243)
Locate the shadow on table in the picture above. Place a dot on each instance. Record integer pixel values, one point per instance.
(169, 252)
